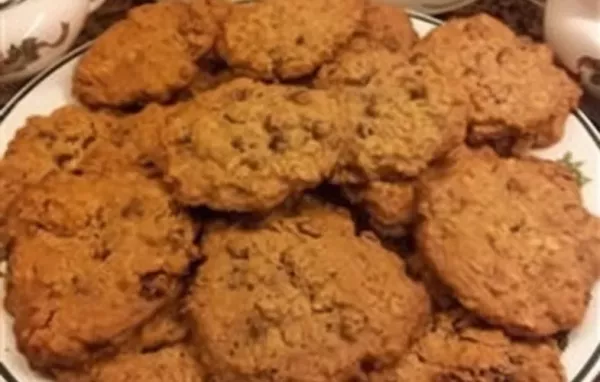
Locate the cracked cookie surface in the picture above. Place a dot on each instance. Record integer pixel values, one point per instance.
(305, 296)
(247, 146)
(111, 247)
(287, 38)
(527, 258)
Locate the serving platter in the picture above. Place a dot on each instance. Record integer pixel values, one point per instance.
(52, 89)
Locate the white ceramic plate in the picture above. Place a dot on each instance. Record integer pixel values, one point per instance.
(52, 89)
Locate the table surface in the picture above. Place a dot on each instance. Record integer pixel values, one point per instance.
(521, 15)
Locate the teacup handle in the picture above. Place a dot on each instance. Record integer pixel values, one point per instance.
(95, 4)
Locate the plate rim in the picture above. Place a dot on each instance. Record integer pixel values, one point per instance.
(585, 121)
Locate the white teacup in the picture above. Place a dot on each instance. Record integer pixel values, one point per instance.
(572, 28)
(34, 33)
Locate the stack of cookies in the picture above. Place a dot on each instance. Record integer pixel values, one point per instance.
(290, 190)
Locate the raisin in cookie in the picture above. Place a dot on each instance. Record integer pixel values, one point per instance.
(458, 348)
(111, 247)
(287, 38)
(520, 99)
(512, 240)
(301, 295)
(148, 56)
(246, 146)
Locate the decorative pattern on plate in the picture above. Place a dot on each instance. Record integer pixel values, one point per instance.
(21, 56)
(575, 166)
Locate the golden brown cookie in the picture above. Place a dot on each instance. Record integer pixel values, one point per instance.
(301, 295)
(512, 240)
(396, 132)
(287, 38)
(170, 364)
(391, 207)
(148, 56)
(65, 141)
(457, 348)
(520, 99)
(388, 26)
(246, 146)
(403, 116)
(95, 258)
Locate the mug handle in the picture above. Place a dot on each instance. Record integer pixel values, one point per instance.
(95, 4)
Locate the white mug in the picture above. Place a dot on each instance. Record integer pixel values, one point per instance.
(34, 33)
(572, 28)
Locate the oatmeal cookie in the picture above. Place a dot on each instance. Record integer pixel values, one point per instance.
(388, 26)
(148, 56)
(391, 207)
(457, 348)
(287, 38)
(170, 364)
(519, 98)
(297, 295)
(62, 141)
(403, 116)
(247, 146)
(512, 240)
(396, 132)
(111, 247)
